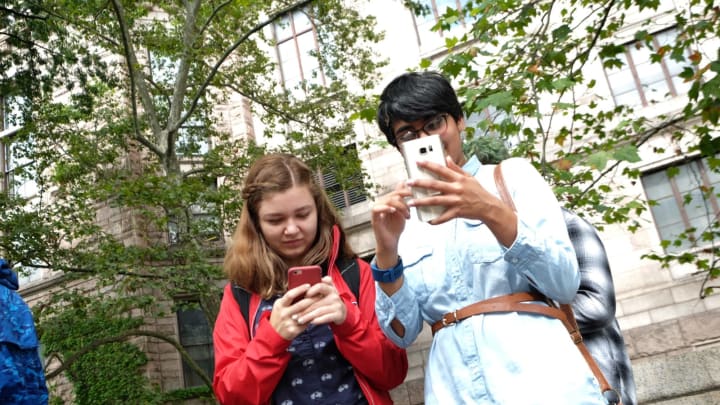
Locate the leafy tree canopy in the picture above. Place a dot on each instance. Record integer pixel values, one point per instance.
(524, 66)
(123, 110)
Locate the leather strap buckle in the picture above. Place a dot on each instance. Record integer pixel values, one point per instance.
(576, 336)
(446, 322)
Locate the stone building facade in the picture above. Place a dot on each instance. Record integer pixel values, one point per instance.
(673, 335)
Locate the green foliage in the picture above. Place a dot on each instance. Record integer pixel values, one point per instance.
(179, 396)
(523, 66)
(127, 159)
(119, 381)
(488, 149)
(111, 372)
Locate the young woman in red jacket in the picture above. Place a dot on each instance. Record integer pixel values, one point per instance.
(326, 347)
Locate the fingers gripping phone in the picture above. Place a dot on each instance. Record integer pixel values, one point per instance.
(427, 148)
(300, 275)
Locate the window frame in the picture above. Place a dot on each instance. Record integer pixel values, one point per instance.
(294, 36)
(423, 24)
(8, 133)
(643, 95)
(189, 377)
(196, 213)
(708, 190)
(9, 173)
(327, 179)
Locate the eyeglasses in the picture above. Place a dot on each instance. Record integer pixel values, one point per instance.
(434, 125)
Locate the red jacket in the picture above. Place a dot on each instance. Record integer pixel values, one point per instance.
(248, 370)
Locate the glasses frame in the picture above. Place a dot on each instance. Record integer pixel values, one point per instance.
(409, 134)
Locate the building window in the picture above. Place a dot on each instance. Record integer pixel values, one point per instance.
(343, 197)
(11, 111)
(17, 179)
(16, 165)
(684, 204)
(340, 197)
(196, 337)
(193, 139)
(200, 220)
(192, 136)
(431, 12)
(640, 81)
(17, 169)
(297, 50)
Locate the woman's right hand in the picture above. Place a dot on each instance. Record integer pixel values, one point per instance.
(284, 315)
(389, 214)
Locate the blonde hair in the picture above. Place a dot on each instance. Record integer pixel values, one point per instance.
(249, 261)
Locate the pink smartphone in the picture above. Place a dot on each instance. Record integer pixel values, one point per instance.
(303, 275)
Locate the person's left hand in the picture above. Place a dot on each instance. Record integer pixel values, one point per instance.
(326, 307)
(461, 194)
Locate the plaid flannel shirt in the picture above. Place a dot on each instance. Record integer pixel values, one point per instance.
(594, 307)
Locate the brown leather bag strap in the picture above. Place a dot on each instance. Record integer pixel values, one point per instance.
(566, 312)
(500, 185)
(503, 303)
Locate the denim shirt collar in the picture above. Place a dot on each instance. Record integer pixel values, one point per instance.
(472, 165)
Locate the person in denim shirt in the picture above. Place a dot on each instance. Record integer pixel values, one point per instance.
(22, 378)
(594, 304)
(479, 248)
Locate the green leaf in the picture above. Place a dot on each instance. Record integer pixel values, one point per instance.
(628, 153)
(709, 146)
(563, 84)
(500, 99)
(599, 160)
(561, 33)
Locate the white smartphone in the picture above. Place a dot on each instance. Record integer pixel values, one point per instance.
(427, 148)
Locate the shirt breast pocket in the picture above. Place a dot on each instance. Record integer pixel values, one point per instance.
(425, 267)
(479, 242)
(412, 256)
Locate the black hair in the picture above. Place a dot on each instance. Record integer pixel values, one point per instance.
(414, 96)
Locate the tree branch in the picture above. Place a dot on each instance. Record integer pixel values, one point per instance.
(212, 15)
(137, 81)
(642, 138)
(180, 88)
(81, 25)
(68, 269)
(269, 107)
(22, 15)
(596, 37)
(121, 338)
(231, 49)
(30, 43)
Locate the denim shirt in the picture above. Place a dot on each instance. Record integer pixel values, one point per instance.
(505, 358)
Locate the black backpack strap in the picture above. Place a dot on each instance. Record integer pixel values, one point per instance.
(242, 297)
(350, 271)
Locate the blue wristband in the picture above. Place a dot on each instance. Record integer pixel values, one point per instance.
(389, 275)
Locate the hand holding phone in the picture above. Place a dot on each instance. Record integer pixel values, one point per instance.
(427, 148)
(300, 275)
